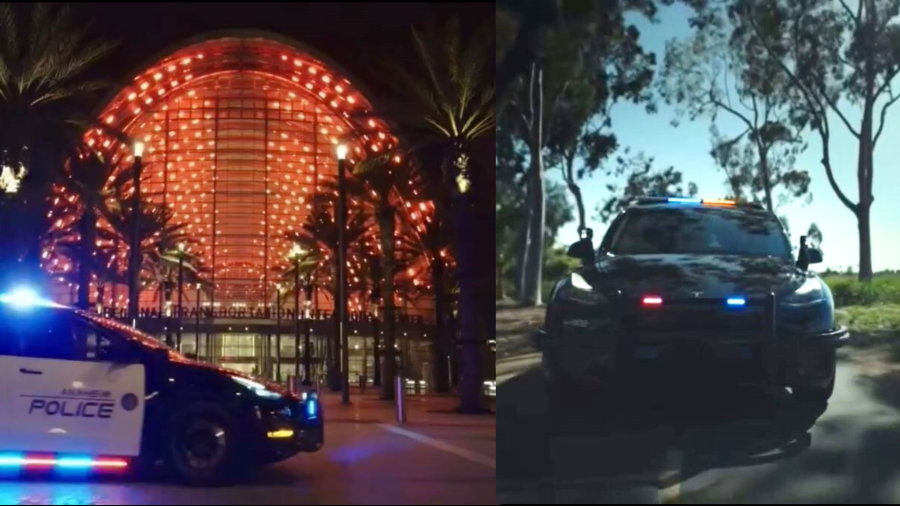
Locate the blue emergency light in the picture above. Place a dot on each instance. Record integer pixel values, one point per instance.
(736, 301)
(23, 298)
(683, 200)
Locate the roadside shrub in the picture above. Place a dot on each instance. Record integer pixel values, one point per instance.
(850, 292)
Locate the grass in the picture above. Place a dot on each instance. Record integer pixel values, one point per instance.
(847, 291)
(874, 318)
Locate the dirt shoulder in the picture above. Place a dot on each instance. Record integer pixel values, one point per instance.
(514, 325)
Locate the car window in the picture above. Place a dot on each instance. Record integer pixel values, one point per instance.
(702, 230)
(61, 335)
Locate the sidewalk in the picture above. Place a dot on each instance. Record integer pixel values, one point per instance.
(431, 420)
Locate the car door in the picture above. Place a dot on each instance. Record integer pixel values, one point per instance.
(6, 361)
(76, 391)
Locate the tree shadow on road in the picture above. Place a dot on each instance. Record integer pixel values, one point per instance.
(600, 442)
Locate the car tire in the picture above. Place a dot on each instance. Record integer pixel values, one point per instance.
(818, 393)
(202, 446)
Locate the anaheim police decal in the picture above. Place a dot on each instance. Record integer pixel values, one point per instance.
(73, 402)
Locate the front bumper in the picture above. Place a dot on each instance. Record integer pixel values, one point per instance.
(284, 432)
(783, 360)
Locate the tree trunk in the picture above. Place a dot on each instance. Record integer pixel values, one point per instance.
(864, 179)
(535, 241)
(569, 177)
(863, 211)
(767, 181)
(440, 369)
(334, 363)
(386, 232)
(376, 353)
(521, 249)
(470, 381)
(500, 265)
(87, 229)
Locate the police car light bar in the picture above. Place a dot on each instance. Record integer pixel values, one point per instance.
(736, 301)
(25, 298)
(652, 300)
(683, 200)
(19, 461)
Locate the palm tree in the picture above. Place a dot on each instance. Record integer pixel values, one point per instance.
(43, 58)
(84, 193)
(318, 234)
(450, 114)
(382, 188)
(373, 269)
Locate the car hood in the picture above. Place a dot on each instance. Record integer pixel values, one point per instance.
(696, 276)
(188, 364)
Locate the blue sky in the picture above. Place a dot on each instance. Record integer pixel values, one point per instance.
(686, 147)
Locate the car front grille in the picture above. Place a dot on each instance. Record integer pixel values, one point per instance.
(699, 318)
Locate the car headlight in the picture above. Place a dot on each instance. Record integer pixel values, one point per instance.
(580, 283)
(810, 292)
(257, 388)
(577, 289)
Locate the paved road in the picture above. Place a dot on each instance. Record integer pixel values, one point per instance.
(441, 460)
(711, 446)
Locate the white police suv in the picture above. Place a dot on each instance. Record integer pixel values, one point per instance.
(80, 392)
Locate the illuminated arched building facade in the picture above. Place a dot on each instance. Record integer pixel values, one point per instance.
(240, 131)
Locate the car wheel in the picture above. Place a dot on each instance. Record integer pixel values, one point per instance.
(817, 393)
(202, 446)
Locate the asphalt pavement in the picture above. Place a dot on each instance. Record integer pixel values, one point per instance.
(710, 444)
(439, 457)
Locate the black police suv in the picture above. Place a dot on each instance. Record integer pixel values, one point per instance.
(80, 392)
(693, 289)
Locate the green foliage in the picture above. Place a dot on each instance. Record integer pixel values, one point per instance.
(848, 291)
(642, 181)
(705, 76)
(870, 319)
(44, 56)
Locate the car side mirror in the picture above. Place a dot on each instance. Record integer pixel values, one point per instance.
(584, 251)
(814, 255)
(807, 255)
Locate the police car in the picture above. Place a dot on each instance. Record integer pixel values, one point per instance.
(687, 288)
(82, 392)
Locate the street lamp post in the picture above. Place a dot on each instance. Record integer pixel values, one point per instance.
(197, 326)
(306, 326)
(342, 274)
(180, 294)
(278, 332)
(134, 254)
(296, 255)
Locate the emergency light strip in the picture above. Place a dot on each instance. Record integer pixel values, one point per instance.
(63, 462)
(708, 202)
(652, 300)
(736, 301)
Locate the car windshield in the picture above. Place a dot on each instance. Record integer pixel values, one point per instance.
(700, 230)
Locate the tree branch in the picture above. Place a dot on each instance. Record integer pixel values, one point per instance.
(834, 107)
(826, 162)
(850, 12)
(724, 106)
(887, 82)
(884, 109)
(808, 95)
(811, 99)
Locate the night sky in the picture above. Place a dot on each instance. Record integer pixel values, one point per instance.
(356, 35)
